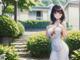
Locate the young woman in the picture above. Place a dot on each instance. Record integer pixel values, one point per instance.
(56, 31)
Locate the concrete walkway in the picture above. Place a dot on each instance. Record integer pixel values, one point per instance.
(31, 59)
(29, 32)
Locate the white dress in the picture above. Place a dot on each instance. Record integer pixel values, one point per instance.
(59, 49)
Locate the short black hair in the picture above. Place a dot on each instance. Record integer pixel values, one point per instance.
(57, 8)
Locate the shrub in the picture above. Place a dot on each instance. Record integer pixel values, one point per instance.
(39, 45)
(9, 52)
(76, 55)
(36, 24)
(8, 27)
(73, 40)
(21, 28)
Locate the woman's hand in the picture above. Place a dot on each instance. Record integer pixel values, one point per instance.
(50, 31)
(53, 30)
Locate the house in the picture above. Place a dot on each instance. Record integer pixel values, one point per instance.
(36, 13)
(72, 14)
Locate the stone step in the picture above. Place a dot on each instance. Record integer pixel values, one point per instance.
(31, 59)
(24, 42)
(20, 46)
(19, 43)
(20, 39)
(23, 54)
(21, 49)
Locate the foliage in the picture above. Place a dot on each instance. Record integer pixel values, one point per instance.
(9, 52)
(62, 2)
(76, 55)
(9, 9)
(21, 28)
(22, 4)
(8, 27)
(39, 45)
(73, 40)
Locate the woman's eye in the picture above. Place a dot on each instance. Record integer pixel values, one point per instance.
(60, 13)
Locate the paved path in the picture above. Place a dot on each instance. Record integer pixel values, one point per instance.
(31, 59)
(29, 32)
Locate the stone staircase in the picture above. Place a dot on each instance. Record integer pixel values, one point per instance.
(20, 49)
(20, 45)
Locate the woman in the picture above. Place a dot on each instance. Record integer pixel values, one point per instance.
(56, 31)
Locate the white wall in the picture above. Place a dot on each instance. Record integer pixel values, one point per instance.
(32, 15)
(22, 15)
(74, 17)
(45, 15)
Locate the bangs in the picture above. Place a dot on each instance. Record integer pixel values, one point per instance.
(58, 10)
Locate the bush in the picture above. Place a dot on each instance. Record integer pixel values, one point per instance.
(21, 28)
(39, 45)
(8, 27)
(73, 40)
(9, 52)
(36, 24)
(76, 55)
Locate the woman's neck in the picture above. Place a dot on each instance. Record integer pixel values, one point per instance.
(57, 21)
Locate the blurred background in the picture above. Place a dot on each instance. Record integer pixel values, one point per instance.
(23, 25)
(40, 10)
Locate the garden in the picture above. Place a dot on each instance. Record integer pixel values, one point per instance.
(38, 45)
(14, 44)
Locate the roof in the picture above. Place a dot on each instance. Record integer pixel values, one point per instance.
(72, 3)
(40, 8)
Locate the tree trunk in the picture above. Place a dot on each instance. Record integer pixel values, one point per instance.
(15, 10)
(4, 7)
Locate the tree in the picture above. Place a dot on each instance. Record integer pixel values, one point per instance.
(60, 2)
(22, 4)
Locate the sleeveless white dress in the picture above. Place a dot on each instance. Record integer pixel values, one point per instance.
(59, 49)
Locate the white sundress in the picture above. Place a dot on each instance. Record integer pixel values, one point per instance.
(59, 49)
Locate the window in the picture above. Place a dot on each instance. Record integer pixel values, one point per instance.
(39, 15)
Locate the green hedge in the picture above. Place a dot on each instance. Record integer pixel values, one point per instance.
(35, 24)
(73, 40)
(8, 27)
(39, 45)
(9, 52)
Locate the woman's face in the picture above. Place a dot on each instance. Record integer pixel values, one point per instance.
(57, 15)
